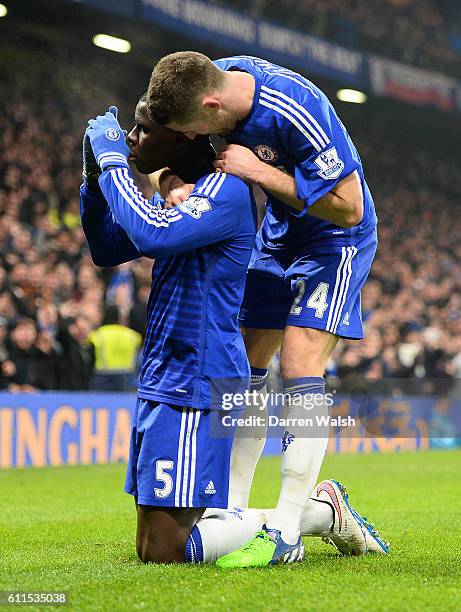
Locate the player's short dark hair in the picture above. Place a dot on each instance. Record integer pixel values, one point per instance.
(177, 83)
(194, 158)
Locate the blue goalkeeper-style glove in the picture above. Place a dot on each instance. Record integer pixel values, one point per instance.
(108, 140)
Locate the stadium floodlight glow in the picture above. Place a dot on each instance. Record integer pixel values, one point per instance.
(3, 10)
(119, 45)
(351, 95)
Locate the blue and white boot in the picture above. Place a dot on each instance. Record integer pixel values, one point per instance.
(285, 553)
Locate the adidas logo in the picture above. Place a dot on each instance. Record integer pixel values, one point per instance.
(210, 490)
(346, 319)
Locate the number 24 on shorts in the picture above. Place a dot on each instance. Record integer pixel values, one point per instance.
(317, 300)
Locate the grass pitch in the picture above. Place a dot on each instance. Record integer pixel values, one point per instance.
(72, 529)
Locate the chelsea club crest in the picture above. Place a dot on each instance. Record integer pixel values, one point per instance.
(266, 154)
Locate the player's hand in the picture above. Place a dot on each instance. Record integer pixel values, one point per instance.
(238, 160)
(108, 140)
(176, 191)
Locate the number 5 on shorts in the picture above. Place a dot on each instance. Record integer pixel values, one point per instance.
(317, 300)
(161, 465)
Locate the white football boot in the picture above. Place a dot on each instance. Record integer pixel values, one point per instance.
(350, 532)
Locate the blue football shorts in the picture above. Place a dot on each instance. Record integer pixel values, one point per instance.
(177, 457)
(319, 289)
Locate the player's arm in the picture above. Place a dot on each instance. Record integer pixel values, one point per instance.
(342, 205)
(326, 184)
(109, 245)
(211, 214)
(108, 242)
(207, 217)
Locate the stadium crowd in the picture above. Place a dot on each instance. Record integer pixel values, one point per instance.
(416, 32)
(412, 301)
(52, 296)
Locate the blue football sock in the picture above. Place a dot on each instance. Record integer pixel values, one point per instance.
(194, 547)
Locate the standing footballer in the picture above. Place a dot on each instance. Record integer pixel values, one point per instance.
(311, 258)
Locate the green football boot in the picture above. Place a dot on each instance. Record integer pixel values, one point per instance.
(265, 548)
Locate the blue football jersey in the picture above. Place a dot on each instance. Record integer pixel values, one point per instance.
(201, 249)
(293, 126)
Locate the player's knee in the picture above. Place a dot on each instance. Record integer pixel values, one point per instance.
(149, 555)
(162, 534)
(160, 550)
(305, 351)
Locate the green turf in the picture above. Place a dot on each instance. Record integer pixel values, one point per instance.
(72, 529)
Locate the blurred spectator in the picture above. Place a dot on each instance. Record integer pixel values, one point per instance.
(32, 361)
(46, 274)
(115, 349)
(77, 354)
(120, 290)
